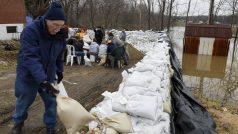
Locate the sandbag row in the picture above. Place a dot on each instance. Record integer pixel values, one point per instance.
(144, 93)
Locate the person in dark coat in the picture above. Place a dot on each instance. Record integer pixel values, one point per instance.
(78, 44)
(40, 60)
(99, 34)
(121, 44)
(111, 46)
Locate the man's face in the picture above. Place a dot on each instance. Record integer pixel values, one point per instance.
(54, 26)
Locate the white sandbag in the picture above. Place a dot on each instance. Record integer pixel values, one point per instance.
(144, 106)
(87, 61)
(62, 90)
(120, 122)
(72, 114)
(155, 83)
(124, 75)
(86, 38)
(92, 58)
(118, 107)
(165, 83)
(143, 109)
(141, 67)
(130, 91)
(159, 128)
(139, 79)
(86, 45)
(119, 102)
(103, 109)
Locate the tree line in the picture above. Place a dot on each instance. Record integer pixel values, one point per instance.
(130, 14)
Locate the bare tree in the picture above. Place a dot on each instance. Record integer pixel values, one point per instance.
(68, 8)
(149, 5)
(79, 9)
(92, 13)
(140, 13)
(233, 4)
(36, 7)
(162, 15)
(218, 7)
(170, 12)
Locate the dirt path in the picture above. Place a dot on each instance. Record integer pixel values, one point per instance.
(92, 82)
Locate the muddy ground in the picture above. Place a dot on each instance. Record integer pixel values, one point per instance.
(91, 83)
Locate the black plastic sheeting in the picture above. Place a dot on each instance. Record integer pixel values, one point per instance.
(188, 116)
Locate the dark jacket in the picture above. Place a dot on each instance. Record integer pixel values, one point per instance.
(111, 47)
(41, 54)
(78, 44)
(99, 35)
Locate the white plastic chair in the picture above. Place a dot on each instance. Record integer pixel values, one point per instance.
(70, 54)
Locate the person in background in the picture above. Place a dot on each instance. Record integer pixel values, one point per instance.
(102, 54)
(79, 51)
(119, 43)
(110, 48)
(99, 34)
(40, 59)
(94, 49)
(80, 33)
(123, 35)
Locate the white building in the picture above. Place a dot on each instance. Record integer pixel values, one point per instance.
(12, 19)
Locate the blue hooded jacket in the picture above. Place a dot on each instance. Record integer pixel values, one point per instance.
(41, 54)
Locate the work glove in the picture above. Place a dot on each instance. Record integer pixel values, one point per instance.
(60, 77)
(49, 87)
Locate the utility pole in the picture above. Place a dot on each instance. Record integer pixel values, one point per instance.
(210, 17)
(188, 12)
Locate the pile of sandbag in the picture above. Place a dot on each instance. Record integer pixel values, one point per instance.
(74, 117)
(144, 94)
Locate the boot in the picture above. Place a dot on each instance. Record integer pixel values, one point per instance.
(50, 131)
(17, 128)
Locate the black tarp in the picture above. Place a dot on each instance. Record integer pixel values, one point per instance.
(188, 115)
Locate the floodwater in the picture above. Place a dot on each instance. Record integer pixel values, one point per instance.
(214, 77)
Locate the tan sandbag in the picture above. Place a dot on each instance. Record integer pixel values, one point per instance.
(72, 114)
(120, 122)
(167, 106)
(98, 131)
(111, 131)
(95, 131)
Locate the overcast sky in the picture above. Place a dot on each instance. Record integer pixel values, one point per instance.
(200, 7)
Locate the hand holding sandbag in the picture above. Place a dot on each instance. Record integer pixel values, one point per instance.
(72, 114)
(49, 87)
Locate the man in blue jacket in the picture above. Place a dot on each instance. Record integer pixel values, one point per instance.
(40, 61)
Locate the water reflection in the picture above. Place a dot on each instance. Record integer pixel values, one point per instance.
(204, 65)
(215, 77)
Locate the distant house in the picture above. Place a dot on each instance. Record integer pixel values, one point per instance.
(12, 19)
(205, 50)
(207, 39)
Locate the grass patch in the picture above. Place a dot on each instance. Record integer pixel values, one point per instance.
(8, 58)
